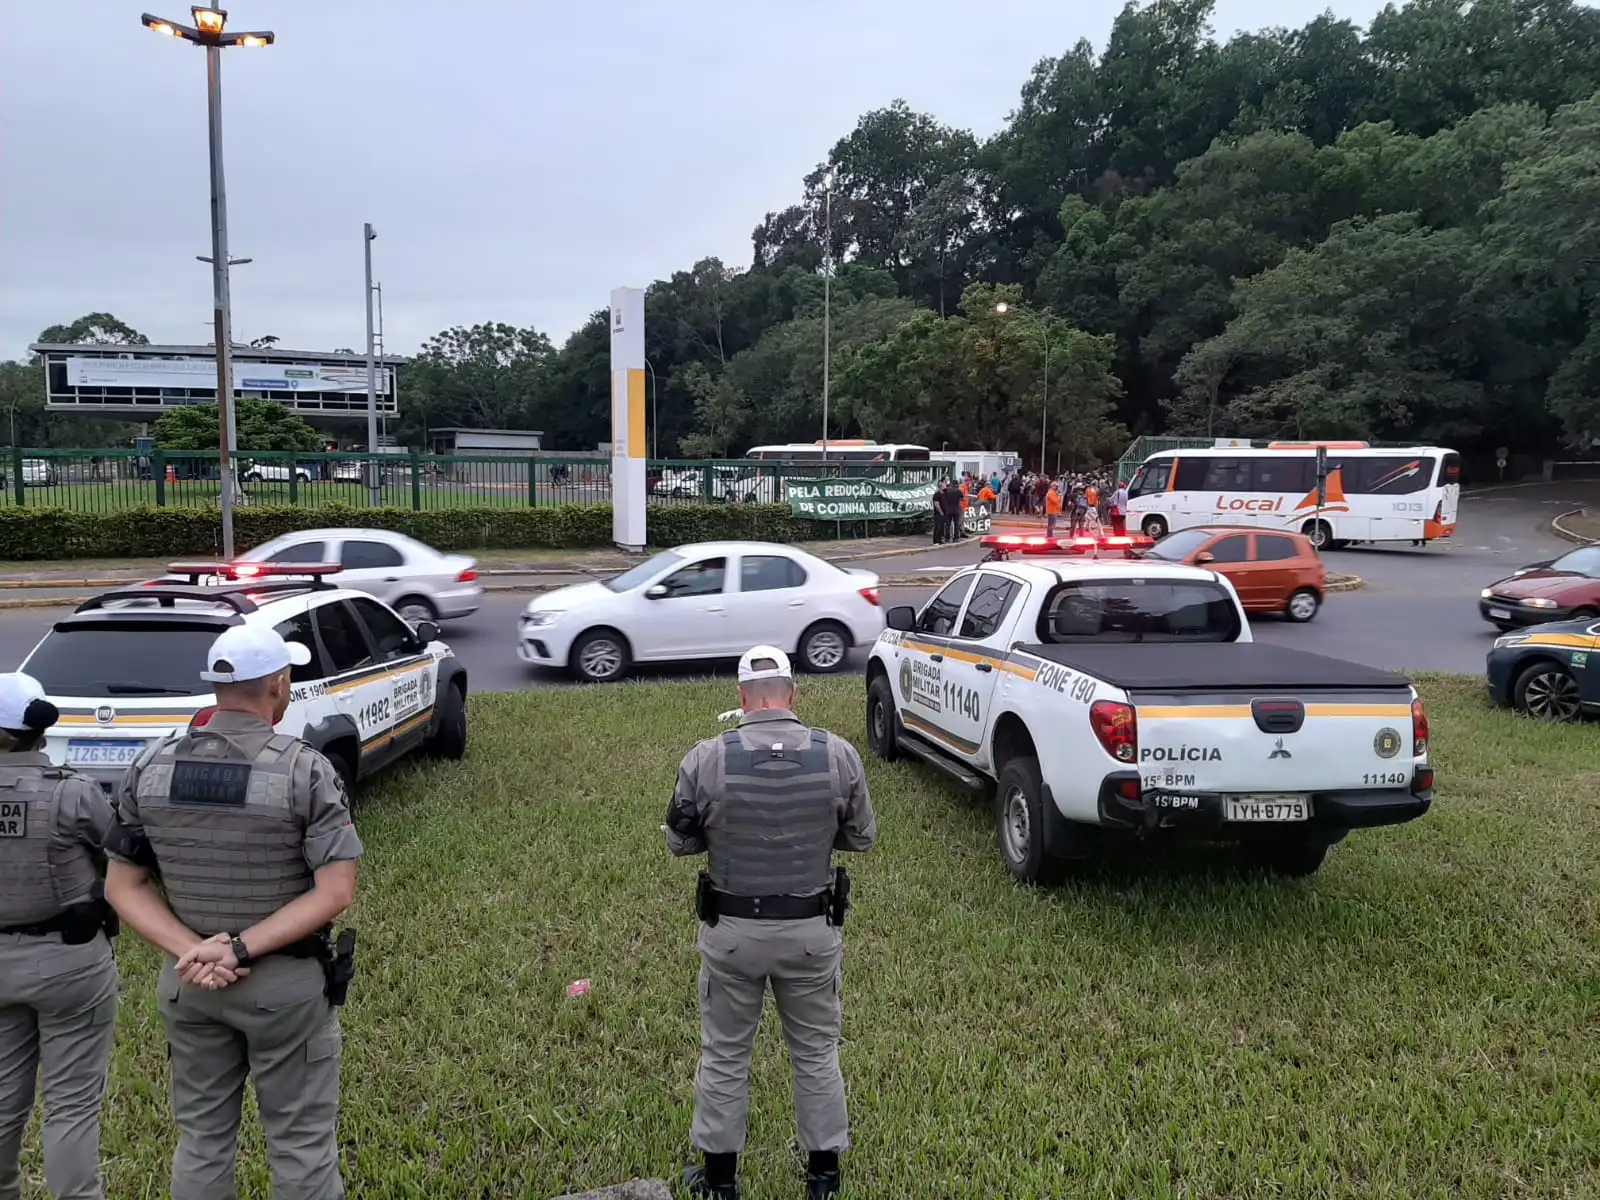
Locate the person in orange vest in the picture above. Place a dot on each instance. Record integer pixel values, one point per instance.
(1052, 509)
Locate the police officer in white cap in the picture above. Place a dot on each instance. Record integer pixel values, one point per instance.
(768, 804)
(58, 979)
(250, 833)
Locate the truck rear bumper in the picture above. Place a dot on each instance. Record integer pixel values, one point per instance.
(1203, 815)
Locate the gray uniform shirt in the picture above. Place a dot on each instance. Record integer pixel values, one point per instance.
(700, 787)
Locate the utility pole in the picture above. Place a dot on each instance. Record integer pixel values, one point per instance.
(375, 482)
(827, 300)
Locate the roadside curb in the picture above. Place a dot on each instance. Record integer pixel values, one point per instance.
(1569, 535)
(1344, 583)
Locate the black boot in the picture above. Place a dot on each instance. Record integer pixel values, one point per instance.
(822, 1175)
(694, 1182)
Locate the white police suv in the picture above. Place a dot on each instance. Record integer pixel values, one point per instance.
(124, 669)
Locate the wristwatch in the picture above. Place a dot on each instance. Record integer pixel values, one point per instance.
(241, 956)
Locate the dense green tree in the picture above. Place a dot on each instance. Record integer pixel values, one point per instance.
(262, 425)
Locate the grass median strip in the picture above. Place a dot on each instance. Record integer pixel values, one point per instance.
(1418, 1020)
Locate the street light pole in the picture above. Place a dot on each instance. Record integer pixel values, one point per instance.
(827, 300)
(207, 32)
(1044, 408)
(375, 492)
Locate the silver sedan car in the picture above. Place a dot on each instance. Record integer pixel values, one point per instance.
(417, 581)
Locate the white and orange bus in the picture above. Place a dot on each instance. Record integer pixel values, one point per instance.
(1372, 494)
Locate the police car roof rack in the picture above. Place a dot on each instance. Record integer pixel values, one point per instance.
(1002, 546)
(245, 584)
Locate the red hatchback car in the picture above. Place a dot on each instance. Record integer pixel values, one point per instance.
(1275, 571)
(1564, 589)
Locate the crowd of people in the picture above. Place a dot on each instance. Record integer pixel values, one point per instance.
(1075, 503)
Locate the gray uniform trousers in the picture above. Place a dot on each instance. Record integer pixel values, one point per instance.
(276, 1026)
(58, 1010)
(803, 960)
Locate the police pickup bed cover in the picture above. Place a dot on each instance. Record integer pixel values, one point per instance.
(1120, 694)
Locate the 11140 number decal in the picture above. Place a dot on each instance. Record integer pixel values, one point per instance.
(961, 700)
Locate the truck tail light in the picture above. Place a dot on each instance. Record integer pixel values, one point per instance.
(871, 596)
(1116, 727)
(202, 718)
(1419, 730)
(467, 576)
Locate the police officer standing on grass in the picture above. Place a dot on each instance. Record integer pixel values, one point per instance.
(250, 834)
(58, 978)
(768, 804)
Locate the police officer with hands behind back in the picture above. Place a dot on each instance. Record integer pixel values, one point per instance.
(768, 804)
(250, 834)
(58, 979)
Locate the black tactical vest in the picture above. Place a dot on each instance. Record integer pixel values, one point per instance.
(779, 819)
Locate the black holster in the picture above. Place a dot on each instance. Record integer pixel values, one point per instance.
(839, 897)
(339, 967)
(77, 925)
(705, 900)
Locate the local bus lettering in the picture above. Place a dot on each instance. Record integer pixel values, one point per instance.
(1229, 504)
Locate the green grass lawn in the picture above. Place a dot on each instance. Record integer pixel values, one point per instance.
(1418, 1020)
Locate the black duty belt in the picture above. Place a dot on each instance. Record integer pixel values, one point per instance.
(772, 908)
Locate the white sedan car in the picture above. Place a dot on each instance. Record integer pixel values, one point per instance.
(415, 580)
(713, 600)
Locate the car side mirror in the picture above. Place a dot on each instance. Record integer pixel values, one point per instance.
(1204, 557)
(658, 592)
(427, 632)
(901, 617)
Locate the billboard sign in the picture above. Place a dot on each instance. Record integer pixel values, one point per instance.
(201, 373)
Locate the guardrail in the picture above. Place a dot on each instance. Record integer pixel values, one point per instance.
(106, 481)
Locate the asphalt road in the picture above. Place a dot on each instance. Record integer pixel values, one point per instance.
(1417, 612)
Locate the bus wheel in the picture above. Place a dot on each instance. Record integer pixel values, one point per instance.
(1155, 528)
(1320, 533)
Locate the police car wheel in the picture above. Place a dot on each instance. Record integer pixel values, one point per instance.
(1548, 691)
(881, 733)
(344, 769)
(1302, 605)
(824, 648)
(600, 656)
(1293, 860)
(449, 738)
(1019, 822)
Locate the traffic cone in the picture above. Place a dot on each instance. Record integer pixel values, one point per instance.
(172, 473)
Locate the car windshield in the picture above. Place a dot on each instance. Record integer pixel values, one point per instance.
(1580, 562)
(123, 658)
(634, 576)
(1138, 610)
(1176, 547)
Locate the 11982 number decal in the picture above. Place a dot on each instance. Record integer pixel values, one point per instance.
(375, 713)
(961, 700)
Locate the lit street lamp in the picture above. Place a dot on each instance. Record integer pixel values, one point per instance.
(1044, 407)
(208, 31)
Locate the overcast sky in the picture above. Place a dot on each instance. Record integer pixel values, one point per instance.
(517, 160)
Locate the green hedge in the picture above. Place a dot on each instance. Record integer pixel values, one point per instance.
(56, 533)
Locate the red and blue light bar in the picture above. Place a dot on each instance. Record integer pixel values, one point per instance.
(1016, 543)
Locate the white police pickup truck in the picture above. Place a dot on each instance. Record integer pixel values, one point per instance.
(1100, 695)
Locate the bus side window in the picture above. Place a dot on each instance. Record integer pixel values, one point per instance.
(1283, 474)
(1191, 475)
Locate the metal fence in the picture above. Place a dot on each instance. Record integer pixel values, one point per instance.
(105, 481)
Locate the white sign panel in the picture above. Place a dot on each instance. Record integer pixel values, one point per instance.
(202, 373)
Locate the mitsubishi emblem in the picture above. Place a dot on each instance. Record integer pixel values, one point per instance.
(1279, 752)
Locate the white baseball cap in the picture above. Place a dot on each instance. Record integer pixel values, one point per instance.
(245, 652)
(17, 691)
(749, 672)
